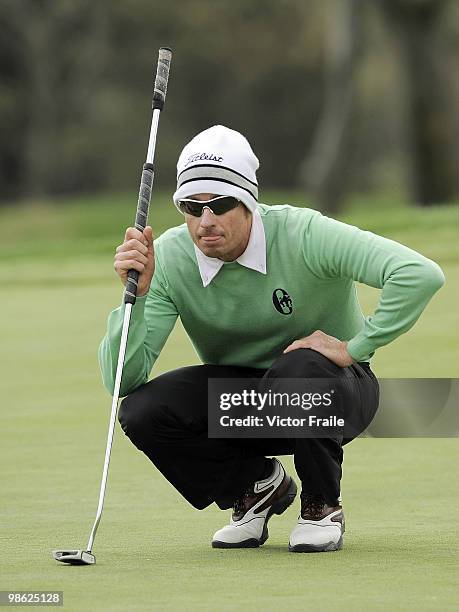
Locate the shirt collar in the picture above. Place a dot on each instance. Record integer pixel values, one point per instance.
(254, 256)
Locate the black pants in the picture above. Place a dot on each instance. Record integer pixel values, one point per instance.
(167, 419)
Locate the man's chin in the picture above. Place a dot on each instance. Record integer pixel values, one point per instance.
(211, 251)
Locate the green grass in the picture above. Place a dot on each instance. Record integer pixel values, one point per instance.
(152, 548)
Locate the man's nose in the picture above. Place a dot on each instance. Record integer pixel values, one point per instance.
(207, 217)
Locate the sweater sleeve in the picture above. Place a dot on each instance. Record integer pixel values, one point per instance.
(408, 279)
(152, 319)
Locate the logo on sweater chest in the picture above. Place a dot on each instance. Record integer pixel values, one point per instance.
(282, 301)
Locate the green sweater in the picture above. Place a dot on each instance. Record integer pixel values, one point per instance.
(240, 318)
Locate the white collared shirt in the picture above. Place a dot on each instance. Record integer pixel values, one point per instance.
(254, 257)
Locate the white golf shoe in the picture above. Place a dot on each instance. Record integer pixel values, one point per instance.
(320, 527)
(248, 527)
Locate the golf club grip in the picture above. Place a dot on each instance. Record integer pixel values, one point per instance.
(162, 77)
(141, 219)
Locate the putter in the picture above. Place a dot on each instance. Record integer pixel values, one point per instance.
(86, 557)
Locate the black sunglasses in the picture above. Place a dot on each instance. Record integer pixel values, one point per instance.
(195, 207)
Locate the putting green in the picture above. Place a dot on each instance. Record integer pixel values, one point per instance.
(153, 550)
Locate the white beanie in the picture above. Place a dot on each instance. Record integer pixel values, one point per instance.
(218, 161)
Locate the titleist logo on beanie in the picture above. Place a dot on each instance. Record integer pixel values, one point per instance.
(201, 156)
(219, 161)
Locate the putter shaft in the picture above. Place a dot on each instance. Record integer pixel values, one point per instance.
(111, 427)
(120, 365)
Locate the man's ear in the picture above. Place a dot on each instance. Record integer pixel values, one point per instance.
(248, 212)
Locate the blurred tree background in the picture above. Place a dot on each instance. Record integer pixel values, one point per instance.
(335, 96)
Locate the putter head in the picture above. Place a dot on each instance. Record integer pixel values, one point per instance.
(74, 557)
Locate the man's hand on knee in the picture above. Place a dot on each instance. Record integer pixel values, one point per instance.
(330, 347)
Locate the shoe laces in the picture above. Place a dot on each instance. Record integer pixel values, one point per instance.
(239, 503)
(312, 505)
